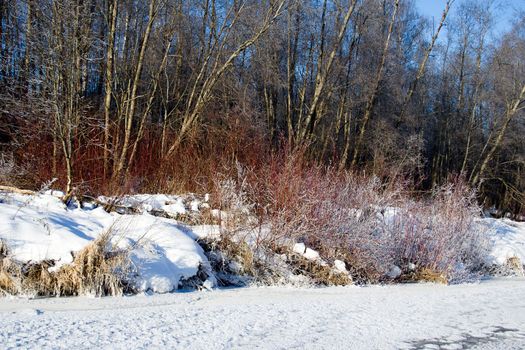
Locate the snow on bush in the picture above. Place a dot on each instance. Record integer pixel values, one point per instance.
(507, 240)
(372, 227)
(282, 224)
(439, 234)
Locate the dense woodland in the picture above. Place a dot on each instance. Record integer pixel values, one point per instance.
(158, 95)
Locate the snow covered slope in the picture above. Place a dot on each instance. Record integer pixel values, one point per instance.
(489, 315)
(40, 227)
(508, 240)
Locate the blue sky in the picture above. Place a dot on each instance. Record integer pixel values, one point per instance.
(504, 11)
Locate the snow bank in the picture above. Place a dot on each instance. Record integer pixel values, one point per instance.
(41, 227)
(508, 240)
(163, 252)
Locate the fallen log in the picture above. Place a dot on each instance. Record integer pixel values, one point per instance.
(16, 190)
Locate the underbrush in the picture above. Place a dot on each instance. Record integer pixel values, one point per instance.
(513, 266)
(238, 263)
(362, 229)
(377, 229)
(97, 270)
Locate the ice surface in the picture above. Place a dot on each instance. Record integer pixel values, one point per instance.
(488, 315)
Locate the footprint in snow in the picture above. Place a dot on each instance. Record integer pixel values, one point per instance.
(36, 312)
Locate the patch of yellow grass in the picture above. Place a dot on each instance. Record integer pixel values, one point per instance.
(515, 265)
(8, 283)
(7, 270)
(96, 270)
(239, 252)
(425, 274)
(319, 273)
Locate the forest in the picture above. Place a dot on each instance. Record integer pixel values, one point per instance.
(160, 96)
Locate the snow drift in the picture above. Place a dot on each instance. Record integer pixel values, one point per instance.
(41, 227)
(164, 254)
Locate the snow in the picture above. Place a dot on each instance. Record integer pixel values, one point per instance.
(40, 227)
(311, 254)
(394, 272)
(340, 266)
(204, 231)
(163, 252)
(299, 248)
(488, 315)
(173, 205)
(308, 253)
(508, 240)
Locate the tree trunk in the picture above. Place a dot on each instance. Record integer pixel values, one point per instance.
(373, 96)
(323, 74)
(422, 65)
(201, 98)
(128, 119)
(511, 112)
(113, 12)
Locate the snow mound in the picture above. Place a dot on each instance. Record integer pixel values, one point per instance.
(508, 240)
(308, 253)
(41, 227)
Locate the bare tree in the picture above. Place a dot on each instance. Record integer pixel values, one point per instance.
(204, 84)
(376, 85)
(112, 24)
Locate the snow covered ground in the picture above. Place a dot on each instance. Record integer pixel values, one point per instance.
(40, 227)
(507, 239)
(488, 315)
(163, 252)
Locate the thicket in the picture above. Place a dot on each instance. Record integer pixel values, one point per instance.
(380, 232)
(370, 225)
(115, 96)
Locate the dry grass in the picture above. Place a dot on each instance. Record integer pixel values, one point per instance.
(9, 284)
(515, 265)
(235, 262)
(36, 279)
(232, 262)
(3, 250)
(96, 270)
(7, 269)
(424, 275)
(320, 274)
(239, 252)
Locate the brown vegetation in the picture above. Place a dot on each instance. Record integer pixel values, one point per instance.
(96, 270)
(160, 95)
(366, 223)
